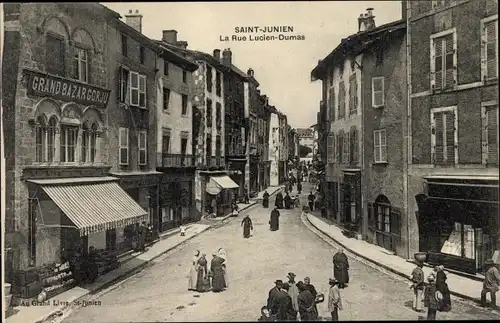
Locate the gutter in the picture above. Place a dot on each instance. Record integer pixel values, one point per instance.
(408, 150)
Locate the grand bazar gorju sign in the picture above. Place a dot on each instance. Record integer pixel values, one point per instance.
(67, 90)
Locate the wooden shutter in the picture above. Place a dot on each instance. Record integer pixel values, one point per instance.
(120, 84)
(346, 148)
(490, 32)
(338, 146)
(449, 124)
(438, 63)
(449, 63)
(355, 154)
(377, 91)
(438, 133)
(383, 146)
(331, 104)
(371, 217)
(492, 135)
(329, 152)
(134, 88)
(395, 221)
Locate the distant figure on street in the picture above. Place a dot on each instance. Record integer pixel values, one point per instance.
(282, 303)
(293, 291)
(143, 232)
(311, 197)
(218, 283)
(272, 293)
(202, 282)
(491, 283)
(274, 221)
(246, 195)
(288, 201)
(299, 187)
(265, 199)
(341, 268)
(222, 254)
(279, 200)
(430, 300)
(214, 206)
(193, 272)
(247, 226)
(334, 299)
(307, 309)
(442, 287)
(417, 278)
(296, 201)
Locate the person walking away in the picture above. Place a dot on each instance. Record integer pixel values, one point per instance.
(293, 291)
(217, 271)
(341, 268)
(279, 200)
(222, 254)
(288, 201)
(193, 272)
(442, 287)
(417, 278)
(274, 221)
(334, 299)
(299, 187)
(490, 283)
(246, 195)
(247, 226)
(282, 302)
(310, 287)
(311, 199)
(307, 310)
(430, 300)
(201, 281)
(272, 293)
(265, 199)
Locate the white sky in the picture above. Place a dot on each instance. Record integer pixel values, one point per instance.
(282, 67)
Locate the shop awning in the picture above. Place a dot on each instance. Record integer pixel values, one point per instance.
(218, 183)
(94, 206)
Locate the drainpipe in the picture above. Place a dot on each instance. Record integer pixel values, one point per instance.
(408, 150)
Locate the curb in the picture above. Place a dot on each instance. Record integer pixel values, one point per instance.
(401, 274)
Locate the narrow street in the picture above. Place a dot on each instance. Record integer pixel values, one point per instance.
(160, 293)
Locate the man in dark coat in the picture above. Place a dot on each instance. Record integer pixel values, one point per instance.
(311, 199)
(307, 309)
(312, 289)
(246, 195)
(218, 282)
(341, 268)
(282, 303)
(279, 200)
(272, 293)
(274, 222)
(288, 201)
(265, 200)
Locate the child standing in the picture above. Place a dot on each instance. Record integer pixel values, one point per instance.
(430, 300)
(417, 278)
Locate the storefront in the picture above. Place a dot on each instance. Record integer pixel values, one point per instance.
(458, 221)
(350, 199)
(236, 170)
(254, 174)
(220, 192)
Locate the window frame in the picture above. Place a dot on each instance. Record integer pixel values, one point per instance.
(63, 42)
(433, 38)
(184, 76)
(142, 148)
(331, 102)
(165, 91)
(138, 89)
(343, 96)
(166, 133)
(77, 57)
(374, 79)
(433, 111)
(121, 146)
(485, 106)
(379, 132)
(353, 94)
(484, 60)
(64, 148)
(41, 128)
(166, 68)
(184, 104)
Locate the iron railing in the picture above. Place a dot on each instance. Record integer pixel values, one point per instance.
(178, 160)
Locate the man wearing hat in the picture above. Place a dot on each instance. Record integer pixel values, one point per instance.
(293, 291)
(490, 283)
(272, 293)
(334, 299)
(282, 303)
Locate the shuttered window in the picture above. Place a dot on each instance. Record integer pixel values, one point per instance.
(379, 146)
(444, 137)
(123, 143)
(340, 147)
(346, 147)
(490, 49)
(353, 95)
(443, 62)
(341, 100)
(490, 135)
(330, 153)
(354, 144)
(331, 103)
(378, 92)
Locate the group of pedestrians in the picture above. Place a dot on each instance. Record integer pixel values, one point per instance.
(202, 279)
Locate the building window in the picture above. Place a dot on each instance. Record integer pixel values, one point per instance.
(208, 148)
(353, 95)
(218, 83)
(81, 65)
(340, 147)
(347, 148)
(68, 143)
(165, 68)
(330, 154)
(93, 142)
(165, 143)
(51, 139)
(378, 89)
(341, 113)
(490, 135)
(41, 133)
(143, 148)
(218, 146)
(142, 55)
(209, 78)
(137, 90)
(444, 136)
(209, 113)
(383, 214)
(123, 145)
(184, 77)
(124, 45)
(489, 48)
(123, 85)
(55, 55)
(354, 144)
(184, 141)
(184, 104)
(166, 98)
(443, 60)
(218, 115)
(379, 146)
(331, 103)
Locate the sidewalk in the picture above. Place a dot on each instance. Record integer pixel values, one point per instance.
(459, 286)
(130, 263)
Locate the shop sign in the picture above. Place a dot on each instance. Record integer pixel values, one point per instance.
(42, 84)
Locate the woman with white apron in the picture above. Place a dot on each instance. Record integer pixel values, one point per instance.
(223, 255)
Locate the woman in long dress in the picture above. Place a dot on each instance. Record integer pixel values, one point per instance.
(193, 272)
(341, 268)
(279, 200)
(247, 226)
(202, 274)
(223, 255)
(288, 201)
(216, 269)
(265, 200)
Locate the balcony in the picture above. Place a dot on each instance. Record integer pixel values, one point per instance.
(216, 161)
(178, 161)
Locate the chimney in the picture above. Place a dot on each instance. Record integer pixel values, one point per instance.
(227, 57)
(217, 54)
(170, 36)
(361, 23)
(134, 20)
(369, 19)
(250, 72)
(182, 44)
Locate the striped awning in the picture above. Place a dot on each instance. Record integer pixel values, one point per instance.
(96, 207)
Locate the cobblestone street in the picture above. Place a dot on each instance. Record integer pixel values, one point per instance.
(160, 293)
